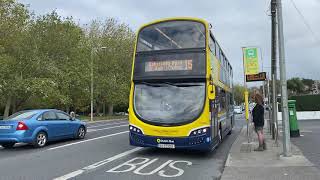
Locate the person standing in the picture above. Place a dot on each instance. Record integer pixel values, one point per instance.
(258, 121)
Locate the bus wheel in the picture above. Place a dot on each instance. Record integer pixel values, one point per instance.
(220, 135)
(230, 132)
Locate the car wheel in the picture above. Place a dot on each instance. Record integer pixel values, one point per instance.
(40, 140)
(81, 132)
(8, 145)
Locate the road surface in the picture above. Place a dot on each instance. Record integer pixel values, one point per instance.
(309, 141)
(105, 153)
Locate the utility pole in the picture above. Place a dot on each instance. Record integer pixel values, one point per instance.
(283, 80)
(274, 67)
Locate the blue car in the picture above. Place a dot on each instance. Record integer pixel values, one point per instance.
(37, 127)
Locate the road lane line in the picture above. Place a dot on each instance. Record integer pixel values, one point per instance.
(88, 140)
(94, 130)
(101, 121)
(96, 165)
(89, 127)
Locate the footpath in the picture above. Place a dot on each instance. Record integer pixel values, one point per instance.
(244, 163)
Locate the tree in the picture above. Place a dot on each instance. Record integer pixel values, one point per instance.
(112, 66)
(46, 60)
(295, 86)
(14, 18)
(308, 84)
(238, 91)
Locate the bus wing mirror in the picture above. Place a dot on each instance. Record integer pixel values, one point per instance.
(211, 92)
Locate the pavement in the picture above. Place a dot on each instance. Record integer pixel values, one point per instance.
(243, 163)
(105, 153)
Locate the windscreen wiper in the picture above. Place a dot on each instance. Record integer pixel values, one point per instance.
(183, 84)
(149, 84)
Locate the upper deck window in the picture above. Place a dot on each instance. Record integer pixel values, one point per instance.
(172, 35)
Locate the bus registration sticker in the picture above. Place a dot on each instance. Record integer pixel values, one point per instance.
(166, 146)
(170, 65)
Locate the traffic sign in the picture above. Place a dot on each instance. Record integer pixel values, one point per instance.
(256, 77)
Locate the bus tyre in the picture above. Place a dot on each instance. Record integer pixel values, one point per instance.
(220, 136)
(230, 132)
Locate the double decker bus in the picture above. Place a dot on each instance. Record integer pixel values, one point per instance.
(181, 87)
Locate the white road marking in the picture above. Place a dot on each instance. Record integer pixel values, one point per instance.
(97, 164)
(107, 124)
(70, 175)
(305, 131)
(95, 122)
(88, 140)
(133, 165)
(93, 130)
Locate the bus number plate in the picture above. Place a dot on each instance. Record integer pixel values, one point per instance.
(166, 146)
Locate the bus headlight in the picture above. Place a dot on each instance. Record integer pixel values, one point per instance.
(135, 129)
(200, 131)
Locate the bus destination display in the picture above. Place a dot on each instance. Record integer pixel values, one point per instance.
(171, 65)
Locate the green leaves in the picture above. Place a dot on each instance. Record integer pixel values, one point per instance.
(238, 91)
(46, 60)
(112, 65)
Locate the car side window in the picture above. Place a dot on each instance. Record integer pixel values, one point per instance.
(40, 118)
(49, 116)
(62, 116)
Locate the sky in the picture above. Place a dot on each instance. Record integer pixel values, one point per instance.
(236, 24)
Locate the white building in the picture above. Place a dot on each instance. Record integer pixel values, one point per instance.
(316, 87)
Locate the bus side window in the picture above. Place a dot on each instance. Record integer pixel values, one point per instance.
(217, 100)
(223, 100)
(212, 45)
(231, 99)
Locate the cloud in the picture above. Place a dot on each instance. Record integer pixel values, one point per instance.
(235, 24)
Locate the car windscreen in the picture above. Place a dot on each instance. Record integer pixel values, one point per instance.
(21, 115)
(169, 103)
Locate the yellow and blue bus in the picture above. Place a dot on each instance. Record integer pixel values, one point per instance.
(181, 87)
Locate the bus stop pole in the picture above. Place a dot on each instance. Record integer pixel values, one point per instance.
(246, 98)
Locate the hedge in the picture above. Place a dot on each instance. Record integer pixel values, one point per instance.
(307, 102)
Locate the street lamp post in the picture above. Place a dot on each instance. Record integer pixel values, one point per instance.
(93, 51)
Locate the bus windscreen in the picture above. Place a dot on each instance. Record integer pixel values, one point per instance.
(172, 35)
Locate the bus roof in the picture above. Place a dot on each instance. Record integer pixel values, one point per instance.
(177, 19)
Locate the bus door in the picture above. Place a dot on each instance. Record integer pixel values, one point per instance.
(214, 116)
(222, 109)
(228, 106)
